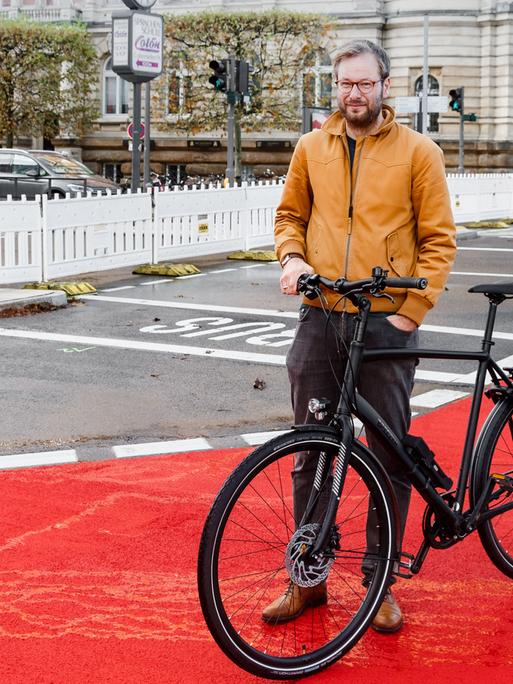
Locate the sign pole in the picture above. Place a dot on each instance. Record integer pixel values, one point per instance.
(147, 106)
(136, 150)
(425, 79)
(461, 165)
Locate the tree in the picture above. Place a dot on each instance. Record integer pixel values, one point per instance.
(277, 44)
(47, 76)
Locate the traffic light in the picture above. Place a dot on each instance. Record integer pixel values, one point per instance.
(219, 79)
(242, 78)
(456, 102)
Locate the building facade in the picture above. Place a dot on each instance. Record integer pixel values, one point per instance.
(470, 44)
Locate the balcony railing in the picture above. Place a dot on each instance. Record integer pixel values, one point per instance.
(41, 14)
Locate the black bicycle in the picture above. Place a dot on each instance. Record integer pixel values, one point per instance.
(251, 547)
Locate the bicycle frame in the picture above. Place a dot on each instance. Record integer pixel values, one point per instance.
(450, 509)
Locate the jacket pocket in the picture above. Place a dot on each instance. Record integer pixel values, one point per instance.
(399, 257)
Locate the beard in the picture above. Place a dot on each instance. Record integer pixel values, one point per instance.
(364, 117)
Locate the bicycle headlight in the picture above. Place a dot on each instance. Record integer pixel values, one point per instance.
(319, 407)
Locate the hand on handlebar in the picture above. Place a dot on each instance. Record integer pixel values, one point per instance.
(290, 274)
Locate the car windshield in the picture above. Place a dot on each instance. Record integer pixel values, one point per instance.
(64, 166)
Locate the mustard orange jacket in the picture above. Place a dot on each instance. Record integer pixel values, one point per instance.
(393, 211)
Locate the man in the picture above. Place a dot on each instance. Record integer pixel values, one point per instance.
(363, 191)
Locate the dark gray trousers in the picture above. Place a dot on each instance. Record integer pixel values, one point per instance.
(386, 385)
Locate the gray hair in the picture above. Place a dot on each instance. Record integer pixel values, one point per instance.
(359, 47)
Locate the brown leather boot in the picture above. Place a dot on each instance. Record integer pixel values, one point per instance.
(389, 617)
(294, 601)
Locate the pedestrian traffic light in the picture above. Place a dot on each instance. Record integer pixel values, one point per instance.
(219, 79)
(456, 102)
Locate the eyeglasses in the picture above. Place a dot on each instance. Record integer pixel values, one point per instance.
(365, 87)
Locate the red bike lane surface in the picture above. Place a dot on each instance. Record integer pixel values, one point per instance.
(98, 581)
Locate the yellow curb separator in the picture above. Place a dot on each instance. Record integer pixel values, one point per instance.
(254, 256)
(483, 225)
(72, 289)
(175, 270)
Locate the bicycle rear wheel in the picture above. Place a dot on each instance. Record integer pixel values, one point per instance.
(495, 455)
(243, 553)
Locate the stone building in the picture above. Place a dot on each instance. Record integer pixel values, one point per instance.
(470, 44)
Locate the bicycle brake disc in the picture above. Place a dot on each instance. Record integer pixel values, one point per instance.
(306, 571)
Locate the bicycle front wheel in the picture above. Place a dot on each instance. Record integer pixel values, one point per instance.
(246, 548)
(495, 456)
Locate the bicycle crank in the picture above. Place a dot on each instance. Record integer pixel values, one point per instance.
(306, 570)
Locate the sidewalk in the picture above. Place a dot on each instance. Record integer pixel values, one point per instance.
(18, 298)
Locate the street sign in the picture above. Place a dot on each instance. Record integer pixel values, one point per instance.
(438, 104)
(137, 40)
(407, 105)
(411, 105)
(130, 131)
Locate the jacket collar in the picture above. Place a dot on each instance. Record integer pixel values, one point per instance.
(335, 124)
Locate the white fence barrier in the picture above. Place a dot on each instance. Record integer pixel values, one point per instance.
(95, 233)
(45, 239)
(481, 197)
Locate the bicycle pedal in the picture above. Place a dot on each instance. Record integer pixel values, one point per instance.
(505, 482)
(404, 564)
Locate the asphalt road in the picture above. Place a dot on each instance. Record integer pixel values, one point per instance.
(151, 358)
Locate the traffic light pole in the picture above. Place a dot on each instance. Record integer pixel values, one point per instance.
(461, 165)
(230, 171)
(231, 96)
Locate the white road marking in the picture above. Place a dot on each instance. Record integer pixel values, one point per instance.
(484, 249)
(116, 289)
(437, 397)
(273, 359)
(155, 282)
(42, 458)
(253, 266)
(470, 332)
(256, 438)
(155, 448)
(193, 275)
(191, 307)
(483, 275)
(222, 270)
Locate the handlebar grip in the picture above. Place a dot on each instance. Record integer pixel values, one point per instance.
(410, 283)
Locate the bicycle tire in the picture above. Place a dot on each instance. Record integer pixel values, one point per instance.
(241, 564)
(494, 454)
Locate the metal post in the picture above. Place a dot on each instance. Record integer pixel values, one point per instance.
(425, 73)
(147, 116)
(461, 165)
(230, 139)
(136, 139)
(231, 98)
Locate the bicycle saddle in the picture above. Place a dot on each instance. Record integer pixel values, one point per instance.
(494, 288)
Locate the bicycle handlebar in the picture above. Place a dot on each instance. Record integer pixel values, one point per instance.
(309, 284)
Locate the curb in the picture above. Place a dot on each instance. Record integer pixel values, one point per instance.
(83, 455)
(11, 298)
(462, 235)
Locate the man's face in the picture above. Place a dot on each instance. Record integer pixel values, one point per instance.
(361, 110)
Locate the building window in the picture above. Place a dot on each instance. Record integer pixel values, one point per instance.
(317, 80)
(115, 92)
(433, 89)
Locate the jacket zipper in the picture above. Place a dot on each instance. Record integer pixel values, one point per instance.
(350, 213)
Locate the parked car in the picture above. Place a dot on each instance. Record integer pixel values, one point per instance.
(38, 172)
